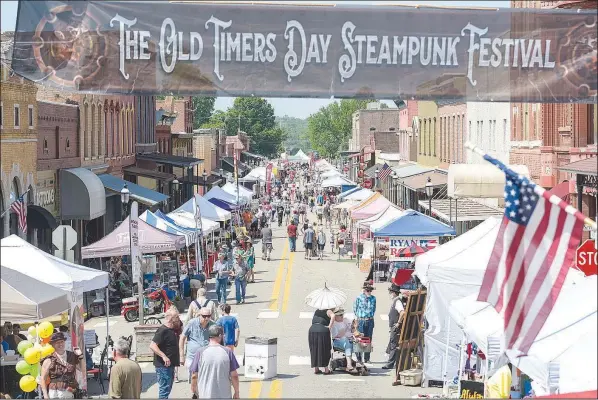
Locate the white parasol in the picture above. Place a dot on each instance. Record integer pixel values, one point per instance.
(326, 298)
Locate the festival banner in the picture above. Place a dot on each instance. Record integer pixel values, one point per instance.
(269, 178)
(409, 247)
(276, 50)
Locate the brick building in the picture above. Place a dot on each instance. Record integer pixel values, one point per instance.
(407, 140)
(373, 119)
(451, 132)
(18, 137)
(57, 148)
(548, 136)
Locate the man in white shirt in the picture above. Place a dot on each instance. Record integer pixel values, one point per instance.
(395, 320)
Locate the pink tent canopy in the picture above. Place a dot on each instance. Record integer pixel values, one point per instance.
(377, 206)
(118, 243)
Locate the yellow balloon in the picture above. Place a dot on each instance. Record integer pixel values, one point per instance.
(27, 383)
(45, 329)
(32, 331)
(47, 350)
(32, 356)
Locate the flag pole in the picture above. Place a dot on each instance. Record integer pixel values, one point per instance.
(10, 205)
(557, 201)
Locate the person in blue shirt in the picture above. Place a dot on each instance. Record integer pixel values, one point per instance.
(5, 346)
(365, 309)
(230, 325)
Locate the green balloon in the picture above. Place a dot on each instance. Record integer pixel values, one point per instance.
(24, 345)
(34, 370)
(23, 368)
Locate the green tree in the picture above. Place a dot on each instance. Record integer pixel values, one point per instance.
(254, 116)
(296, 129)
(203, 107)
(329, 129)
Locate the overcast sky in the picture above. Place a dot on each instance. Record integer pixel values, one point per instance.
(300, 108)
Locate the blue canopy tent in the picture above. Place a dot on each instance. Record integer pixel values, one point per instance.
(348, 192)
(225, 205)
(166, 218)
(167, 226)
(413, 223)
(346, 188)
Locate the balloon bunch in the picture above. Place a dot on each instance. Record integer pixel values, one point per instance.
(34, 350)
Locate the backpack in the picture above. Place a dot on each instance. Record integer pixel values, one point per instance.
(198, 306)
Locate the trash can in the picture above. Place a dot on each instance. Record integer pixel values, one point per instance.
(260, 357)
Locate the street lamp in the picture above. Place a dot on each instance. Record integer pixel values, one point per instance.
(429, 193)
(376, 179)
(175, 187)
(204, 175)
(395, 178)
(125, 196)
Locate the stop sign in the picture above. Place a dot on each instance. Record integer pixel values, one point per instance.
(586, 258)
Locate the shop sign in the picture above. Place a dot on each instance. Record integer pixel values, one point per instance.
(45, 198)
(472, 390)
(269, 50)
(405, 246)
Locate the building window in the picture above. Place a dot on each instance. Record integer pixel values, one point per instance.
(434, 132)
(57, 141)
(503, 145)
(372, 129)
(392, 129)
(30, 116)
(45, 146)
(17, 120)
(68, 143)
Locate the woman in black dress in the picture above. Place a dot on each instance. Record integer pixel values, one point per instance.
(320, 342)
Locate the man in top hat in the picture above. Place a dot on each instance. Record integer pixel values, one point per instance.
(365, 310)
(395, 320)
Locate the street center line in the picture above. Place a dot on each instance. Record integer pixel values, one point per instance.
(255, 389)
(275, 389)
(287, 284)
(278, 280)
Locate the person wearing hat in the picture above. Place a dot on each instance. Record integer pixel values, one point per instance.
(239, 272)
(365, 310)
(340, 330)
(58, 375)
(195, 334)
(395, 319)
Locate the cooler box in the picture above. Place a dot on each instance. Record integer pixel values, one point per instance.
(260, 357)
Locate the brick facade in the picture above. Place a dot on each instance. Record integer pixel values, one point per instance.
(366, 122)
(451, 133)
(407, 141)
(58, 143)
(18, 170)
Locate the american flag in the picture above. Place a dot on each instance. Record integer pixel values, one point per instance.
(534, 250)
(20, 208)
(384, 172)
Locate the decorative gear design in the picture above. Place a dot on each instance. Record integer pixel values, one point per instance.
(69, 47)
(577, 58)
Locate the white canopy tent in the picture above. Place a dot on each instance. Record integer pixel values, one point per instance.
(323, 165)
(23, 257)
(27, 299)
(330, 173)
(207, 209)
(337, 181)
(217, 193)
(255, 175)
(187, 220)
(360, 195)
(381, 219)
(243, 191)
(568, 336)
(450, 272)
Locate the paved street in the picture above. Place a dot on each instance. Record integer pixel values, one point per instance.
(275, 308)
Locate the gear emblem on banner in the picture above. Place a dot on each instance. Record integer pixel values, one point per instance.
(69, 46)
(578, 57)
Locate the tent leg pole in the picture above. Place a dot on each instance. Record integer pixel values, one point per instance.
(107, 317)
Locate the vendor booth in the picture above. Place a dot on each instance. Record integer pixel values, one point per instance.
(243, 191)
(553, 362)
(207, 209)
(218, 193)
(360, 194)
(451, 272)
(398, 243)
(338, 181)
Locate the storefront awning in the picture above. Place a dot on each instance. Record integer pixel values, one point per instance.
(82, 195)
(251, 155)
(148, 173)
(479, 181)
(40, 218)
(168, 159)
(141, 194)
(589, 166)
(419, 182)
(231, 163)
(460, 210)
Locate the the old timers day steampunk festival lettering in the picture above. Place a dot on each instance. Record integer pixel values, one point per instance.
(343, 51)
